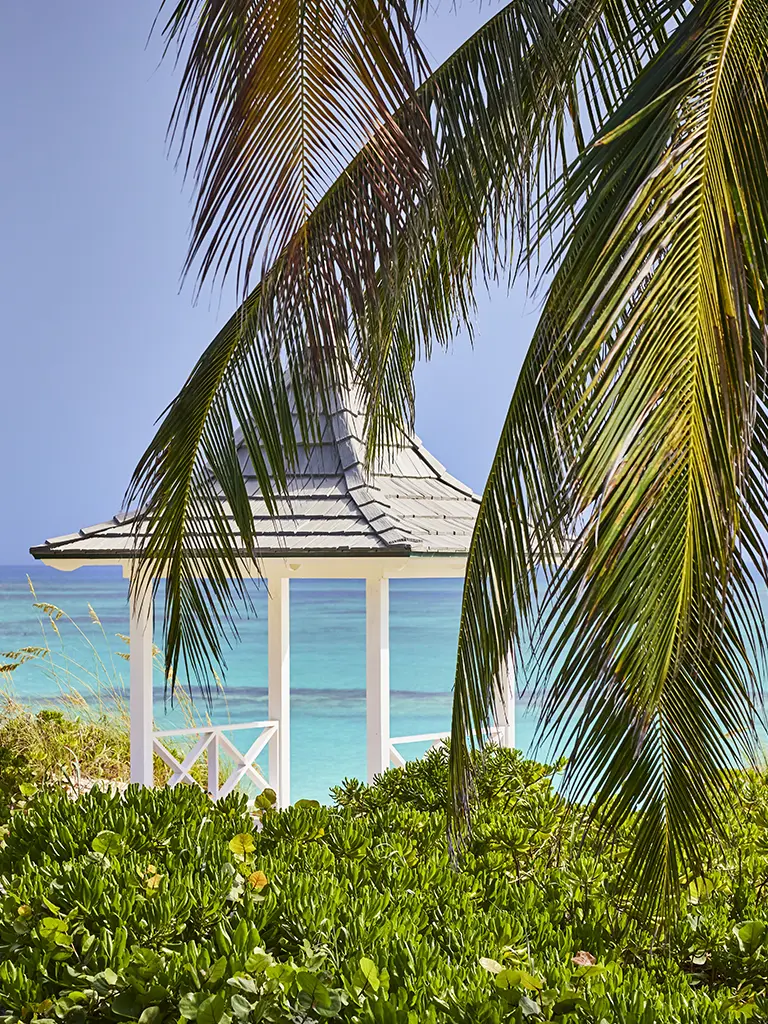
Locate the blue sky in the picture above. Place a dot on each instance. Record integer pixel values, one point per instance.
(96, 334)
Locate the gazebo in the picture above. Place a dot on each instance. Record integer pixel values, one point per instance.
(407, 519)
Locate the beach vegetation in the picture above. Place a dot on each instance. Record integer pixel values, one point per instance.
(73, 745)
(77, 735)
(57, 746)
(155, 905)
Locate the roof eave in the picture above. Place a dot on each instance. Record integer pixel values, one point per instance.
(42, 552)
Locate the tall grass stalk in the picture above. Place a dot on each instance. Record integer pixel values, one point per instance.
(80, 733)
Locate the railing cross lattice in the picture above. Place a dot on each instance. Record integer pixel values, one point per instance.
(213, 739)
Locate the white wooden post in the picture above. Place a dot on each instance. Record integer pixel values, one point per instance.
(504, 707)
(142, 722)
(213, 767)
(377, 674)
(279, 680)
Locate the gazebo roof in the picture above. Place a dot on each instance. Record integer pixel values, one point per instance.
(410, 505)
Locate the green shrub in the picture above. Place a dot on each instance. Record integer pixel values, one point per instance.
(50, 747)
(47, 747)
(160, 906)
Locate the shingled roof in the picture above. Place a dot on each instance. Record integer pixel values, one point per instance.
(410, 505)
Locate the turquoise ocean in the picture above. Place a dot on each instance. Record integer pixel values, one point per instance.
(327, 661)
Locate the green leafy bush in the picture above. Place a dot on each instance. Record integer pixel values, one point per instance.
(160, 906)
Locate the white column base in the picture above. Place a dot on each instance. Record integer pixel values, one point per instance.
(279, 674)
(504, 707)
(377, 675)
(142, 719)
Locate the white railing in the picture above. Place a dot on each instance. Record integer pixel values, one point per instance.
(435, 739)
(212, 739)
(497, 734)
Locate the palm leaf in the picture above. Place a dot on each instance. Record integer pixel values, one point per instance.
(275, 97)
(372, 278)
(652, 400)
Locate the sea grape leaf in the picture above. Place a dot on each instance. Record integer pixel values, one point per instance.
(108, 843)
(151, 1015)
(126, 1004)
(212, 1010)
(751, 935)
(258, 961)
(568, 1002)
(53, 929)
(491, 965)
(280, 972)
(242, 844)
(104, 981)
(512, 978)
(700, 889)
(190, 1004)
(240, 1006)
(244, 984)
(257, 879)
(311, 985)
(583, 959)
(367, 976)
(145, 963)
(529, 1007)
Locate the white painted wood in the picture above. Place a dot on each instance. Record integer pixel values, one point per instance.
(279, 682)
(396, 757)
(182, 769)
(244, 766)
(421, 738)
(348, 567)
(435, 739)
(165, 755)
(198, 730)
(351, 567)
(213, 738)
(140, 674)
(377, 674)
(213, 768)
(504, 707)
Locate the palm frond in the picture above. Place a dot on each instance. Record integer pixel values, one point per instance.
(648, 431)
(275, 97)
(372, 280)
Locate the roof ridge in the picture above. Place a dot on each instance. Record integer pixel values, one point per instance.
(357, 488)
(439, 469)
